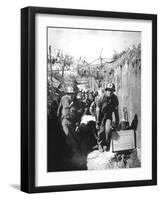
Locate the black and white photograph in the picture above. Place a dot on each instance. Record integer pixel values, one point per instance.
(89, 86)
(93, 99)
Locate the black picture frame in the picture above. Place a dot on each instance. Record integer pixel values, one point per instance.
(28, 98)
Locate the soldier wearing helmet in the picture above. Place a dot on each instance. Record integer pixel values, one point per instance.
(83, 95)
(70, 112)
(106, 106)
(87, 102)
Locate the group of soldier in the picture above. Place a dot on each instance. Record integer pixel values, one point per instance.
(74, 105)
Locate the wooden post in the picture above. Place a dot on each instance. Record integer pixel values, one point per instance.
(63, 66)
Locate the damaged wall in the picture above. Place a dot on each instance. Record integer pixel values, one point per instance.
(125, 72)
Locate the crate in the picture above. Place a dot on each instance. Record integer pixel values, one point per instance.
(123, 140)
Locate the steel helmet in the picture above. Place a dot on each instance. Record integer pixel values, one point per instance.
(70, 90)
(110, 87)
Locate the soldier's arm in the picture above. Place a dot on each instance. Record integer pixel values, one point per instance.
(92, 108)
(116, 112)
(98, 115)
(98, 111)
(60, 107)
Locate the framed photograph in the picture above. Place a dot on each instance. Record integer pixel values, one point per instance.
(88, 99)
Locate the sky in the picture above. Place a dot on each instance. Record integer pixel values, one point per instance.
(89, 44)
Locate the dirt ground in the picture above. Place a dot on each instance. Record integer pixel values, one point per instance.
(95, 160)
(109, 160)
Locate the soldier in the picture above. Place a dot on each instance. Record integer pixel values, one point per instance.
(83, 95)
(87, 103)
(106, 105)
(70, 112)
(92, 108)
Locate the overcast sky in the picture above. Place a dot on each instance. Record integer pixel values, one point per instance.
(90, 43)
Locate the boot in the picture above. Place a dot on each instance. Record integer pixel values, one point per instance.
(105, 148)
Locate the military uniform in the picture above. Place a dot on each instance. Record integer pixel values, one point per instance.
(106, 106)
(93, 105)
(70, 112)
(86, 105)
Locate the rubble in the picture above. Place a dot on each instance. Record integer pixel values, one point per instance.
(109, 160)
